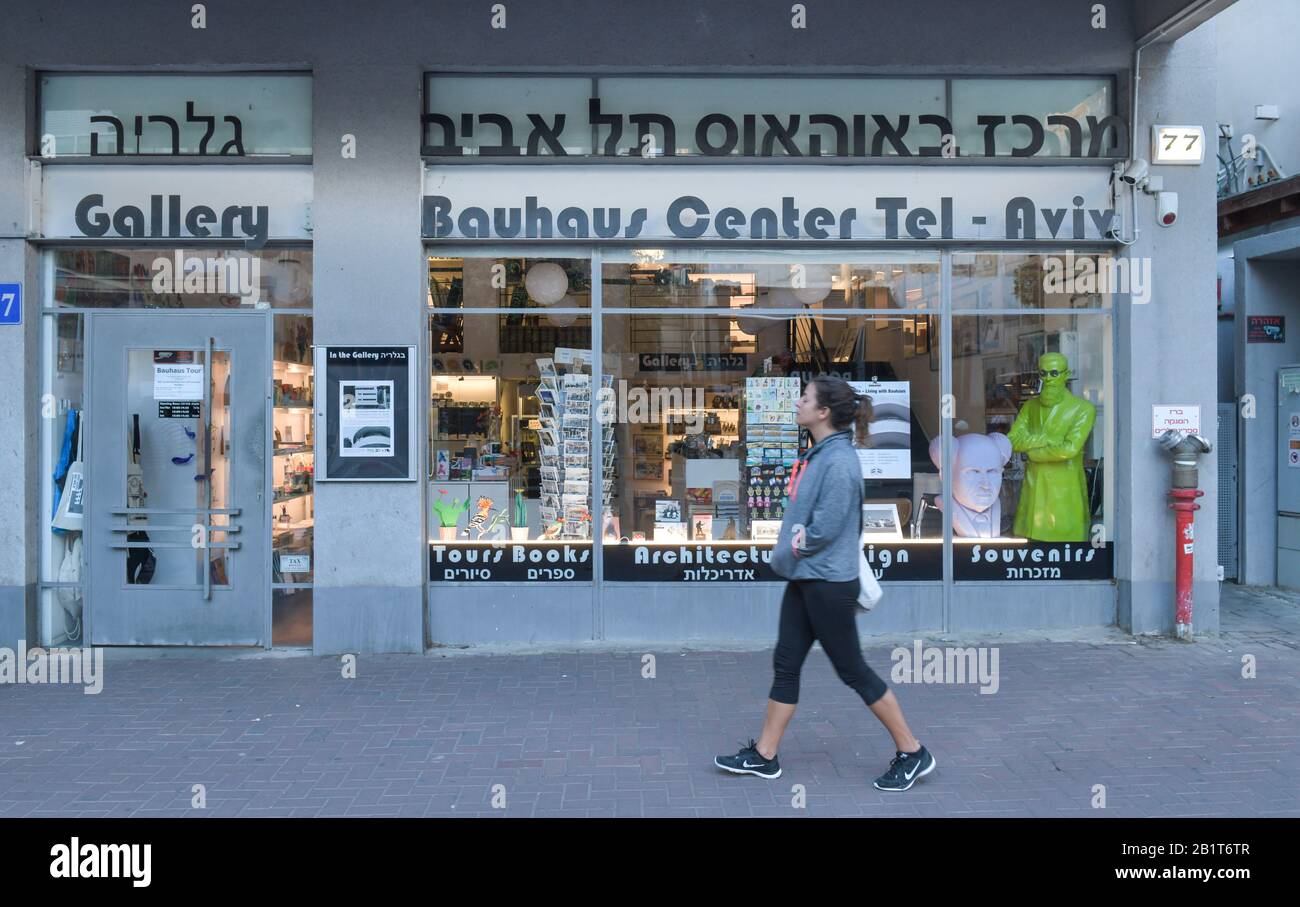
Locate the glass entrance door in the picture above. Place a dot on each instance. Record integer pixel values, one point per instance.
(176, 468)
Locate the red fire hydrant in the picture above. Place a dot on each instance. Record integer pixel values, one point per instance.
(1183, 503)
(1186, 449)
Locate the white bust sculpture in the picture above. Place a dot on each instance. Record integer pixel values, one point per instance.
(978, 461)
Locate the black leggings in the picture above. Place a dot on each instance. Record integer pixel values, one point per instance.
(825, 611)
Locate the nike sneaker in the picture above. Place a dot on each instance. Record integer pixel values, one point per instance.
(749, 762)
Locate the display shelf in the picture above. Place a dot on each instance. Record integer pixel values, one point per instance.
(294, 405)
(702, 409)
(294, 449)
(278, 499)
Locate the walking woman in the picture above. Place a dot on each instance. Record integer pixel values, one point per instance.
(817, 551)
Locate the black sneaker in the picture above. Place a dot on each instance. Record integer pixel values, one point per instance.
(905, 769)
(749, 762)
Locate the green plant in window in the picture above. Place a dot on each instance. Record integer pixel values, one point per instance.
(519, 512)
(449, 509)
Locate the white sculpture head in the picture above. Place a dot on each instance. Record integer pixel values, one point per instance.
(977, 465)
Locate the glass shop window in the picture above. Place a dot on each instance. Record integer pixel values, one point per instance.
(184, 278)
(510, 419)
(702, 409)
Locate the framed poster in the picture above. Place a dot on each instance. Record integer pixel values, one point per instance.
(990, 330)
(922, 335)
(365, 417)
(887, 451)
(1029, 347)
(965, 336)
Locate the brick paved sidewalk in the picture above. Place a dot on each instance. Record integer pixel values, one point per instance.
(1170, 729)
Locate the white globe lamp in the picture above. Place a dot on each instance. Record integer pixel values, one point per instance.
(546, 283)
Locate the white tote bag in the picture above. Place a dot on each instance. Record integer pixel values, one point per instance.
(870, 593)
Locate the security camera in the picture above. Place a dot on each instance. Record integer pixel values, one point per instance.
(1116, 228)
(1135, 172)
(1166, 208)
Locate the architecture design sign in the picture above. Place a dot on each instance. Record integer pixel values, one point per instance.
(750, 563)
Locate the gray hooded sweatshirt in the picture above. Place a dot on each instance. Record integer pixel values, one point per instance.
(826, 498)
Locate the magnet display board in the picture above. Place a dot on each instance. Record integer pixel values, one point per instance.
(365, 419)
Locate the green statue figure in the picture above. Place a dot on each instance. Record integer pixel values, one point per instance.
(1051, 430)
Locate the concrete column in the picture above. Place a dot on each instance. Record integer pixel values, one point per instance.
(1165, 350)
(369, 288)
(19, 376)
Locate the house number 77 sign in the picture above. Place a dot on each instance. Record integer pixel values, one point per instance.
(1177, 144)
(11, 303)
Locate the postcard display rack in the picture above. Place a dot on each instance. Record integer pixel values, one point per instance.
(564, 392)
(772, 446)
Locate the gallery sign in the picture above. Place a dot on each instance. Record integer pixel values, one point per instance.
(252, 204)
(753, 202)
(693, 362)
(507, 562)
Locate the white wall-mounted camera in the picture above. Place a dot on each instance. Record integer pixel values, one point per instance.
(1134, 172)
(1166, 208)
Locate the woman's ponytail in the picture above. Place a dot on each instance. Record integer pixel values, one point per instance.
(849, 409)
(862, 421)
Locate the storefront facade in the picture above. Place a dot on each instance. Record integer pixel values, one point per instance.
(515, 352)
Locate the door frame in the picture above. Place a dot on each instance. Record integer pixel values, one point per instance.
(260, 523)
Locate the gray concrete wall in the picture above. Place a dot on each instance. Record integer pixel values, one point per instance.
(1160, 346)
(1007, 36)
(1258, 65)
(1268, 274)
(19, 541)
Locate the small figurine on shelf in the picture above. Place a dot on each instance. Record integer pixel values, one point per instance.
(449, 511)
(519, 518)
(479, 520)
(609, 527)
(284, 514)
(494, 526)
(553, 531)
